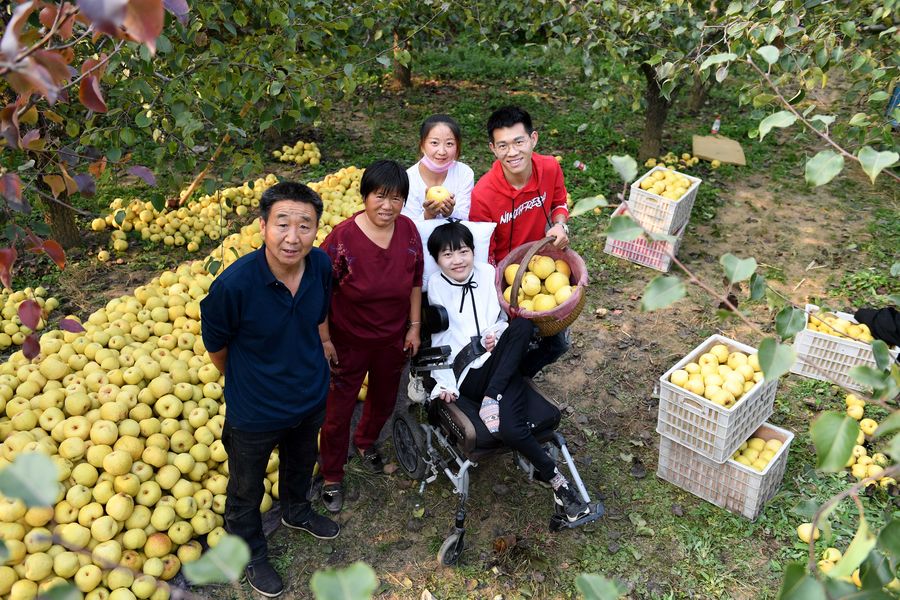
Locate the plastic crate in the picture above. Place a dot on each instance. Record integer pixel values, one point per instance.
(731, 485)
(830, 358)
(661, 215)
(643, 251)
(703, 426)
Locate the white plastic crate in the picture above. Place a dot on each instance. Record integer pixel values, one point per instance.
(643, 251)
(828, 357)
(703, 426)
(658, 214)
(733, 486)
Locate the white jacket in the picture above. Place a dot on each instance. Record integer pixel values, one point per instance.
(442, 292)
(460, 180)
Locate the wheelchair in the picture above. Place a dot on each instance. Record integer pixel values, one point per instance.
(450, 438)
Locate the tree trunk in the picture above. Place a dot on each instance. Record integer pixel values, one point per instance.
(699, 93)
(655, 117)
(402, 73)
(61, 220)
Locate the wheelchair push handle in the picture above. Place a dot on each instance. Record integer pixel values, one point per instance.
(520, 272)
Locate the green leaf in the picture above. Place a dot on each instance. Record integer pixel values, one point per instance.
(625, 166)
(889, 425)
(142, 119)
(716, 59)
(356, 582)
(834, 435)
(597, 587)
(875, 571)
(882, 355)
(869, 377)
(31, 477)
(737, 269)
(757, 287)
(64, 591)
(857, 551)
(873, 161)
(775, 359)
(223, 564)
(656, 236)
(895, 269)
(586, 205)
(661, 292)
(889, 538)
(789, 321)
(800, 585)
(761, 100)
(769, 53)
(823, 167)
(893, 448)
(623, 228)
(784, 118)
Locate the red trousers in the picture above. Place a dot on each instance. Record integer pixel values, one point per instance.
(385, 366)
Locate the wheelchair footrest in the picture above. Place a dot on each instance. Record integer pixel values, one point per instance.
(559, 521)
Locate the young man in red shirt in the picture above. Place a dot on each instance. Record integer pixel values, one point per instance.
(524, 193)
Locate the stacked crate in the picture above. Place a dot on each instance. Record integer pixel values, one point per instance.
(699, 438)
(657, 215)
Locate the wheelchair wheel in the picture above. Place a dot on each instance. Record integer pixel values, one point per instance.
(409, 444)
(451, 549)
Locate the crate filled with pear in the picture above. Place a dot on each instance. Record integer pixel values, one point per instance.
(743, 483)
(830, 345)
(714, 398)
(662, 199)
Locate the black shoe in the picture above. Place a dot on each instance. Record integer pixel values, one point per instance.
(333, 497)
(263, 578)
(569, 502)
(372, 460)
(316, 525)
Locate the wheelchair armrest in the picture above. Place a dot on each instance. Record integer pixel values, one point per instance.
(431, 359)
(434, 320)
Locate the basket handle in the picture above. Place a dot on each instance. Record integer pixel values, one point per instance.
(520, 272)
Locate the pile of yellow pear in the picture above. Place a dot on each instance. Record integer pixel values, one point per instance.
(830, 324)
(721, 376)
(300, 153)
(545, 285)
(757, 453)
(188, 225)
(12, 331)
(340, 197)
(862, 465)
(666, 183)
(671, 160)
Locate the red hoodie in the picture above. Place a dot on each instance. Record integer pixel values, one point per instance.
(524, 215)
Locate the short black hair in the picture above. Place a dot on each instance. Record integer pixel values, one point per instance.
(384, 176)
(289, 190)
(508, 116)
(453, 235)
(434, 120)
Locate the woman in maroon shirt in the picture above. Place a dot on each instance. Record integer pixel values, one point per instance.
(374, 320)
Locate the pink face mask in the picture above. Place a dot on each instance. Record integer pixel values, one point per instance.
(434, 168)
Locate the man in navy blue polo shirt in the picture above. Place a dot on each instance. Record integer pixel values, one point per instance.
(260, 326)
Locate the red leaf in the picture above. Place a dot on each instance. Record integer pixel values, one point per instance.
(71, 325)
(7, 258)
(96, 168)
(9, 43)
(56, 184)
(30, 313)
(71, 186)
(179, 8)
(9, 125)
(106, 15)
(27, 76)
(100, 63)
(144, 21)
(86, 184)
(48, 17)
(55, 63)
(31, 347)
(144, 173)
(90, 95)
(11, 187)
(55, 252)
(32, 140)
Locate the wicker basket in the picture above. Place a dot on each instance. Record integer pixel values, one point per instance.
(553, 321)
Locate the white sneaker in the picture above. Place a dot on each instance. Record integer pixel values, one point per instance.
(415, 390)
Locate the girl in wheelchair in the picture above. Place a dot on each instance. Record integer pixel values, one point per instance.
(486, 354)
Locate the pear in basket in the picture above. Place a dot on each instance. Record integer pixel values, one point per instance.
(509, 273)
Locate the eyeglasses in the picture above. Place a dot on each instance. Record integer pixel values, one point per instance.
(520, 143)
